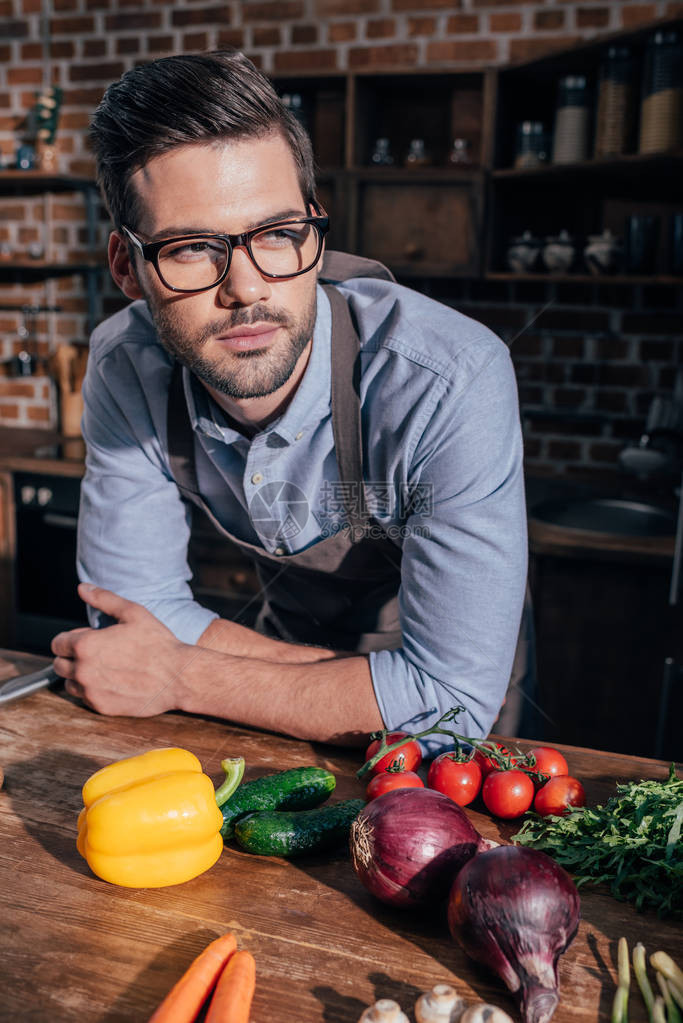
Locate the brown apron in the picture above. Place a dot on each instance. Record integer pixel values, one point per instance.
(342, 591)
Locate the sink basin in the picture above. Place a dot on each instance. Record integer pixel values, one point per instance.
(607, 515)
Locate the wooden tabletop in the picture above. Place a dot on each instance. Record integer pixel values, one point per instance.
(73, 947)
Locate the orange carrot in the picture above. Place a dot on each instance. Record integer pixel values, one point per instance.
(183, 1002)
(231, 1000)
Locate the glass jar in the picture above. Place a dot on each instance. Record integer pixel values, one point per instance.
(417, 155)
(661, 109)
(460, 153)
(531, 146)
(381, 154)
(616, 113)
(570, 141)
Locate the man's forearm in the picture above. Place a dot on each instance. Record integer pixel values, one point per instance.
(230, 638)
(329, 701)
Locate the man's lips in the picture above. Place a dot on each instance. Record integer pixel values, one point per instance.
(254, 335)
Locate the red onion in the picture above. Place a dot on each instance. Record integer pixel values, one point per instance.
(407, 845)
(516, 911)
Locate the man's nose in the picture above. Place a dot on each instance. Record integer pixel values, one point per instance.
(244, 285)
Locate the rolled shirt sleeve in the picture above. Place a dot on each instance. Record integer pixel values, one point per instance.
(464, 565)
(133, 526)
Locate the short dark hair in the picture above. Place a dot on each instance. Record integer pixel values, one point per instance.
(182, 99)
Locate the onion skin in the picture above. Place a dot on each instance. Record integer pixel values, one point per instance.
(516, 911)
(407, 845)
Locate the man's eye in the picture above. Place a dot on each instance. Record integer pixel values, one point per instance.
(193, 250)
(294, 234)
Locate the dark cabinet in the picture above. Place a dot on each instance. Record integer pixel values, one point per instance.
(604, 631)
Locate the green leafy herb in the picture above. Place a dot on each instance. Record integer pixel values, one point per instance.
(633, 843)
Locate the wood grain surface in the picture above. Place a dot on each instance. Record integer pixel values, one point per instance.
(73, 947)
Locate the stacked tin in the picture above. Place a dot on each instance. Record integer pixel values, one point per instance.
(617, 100)
(570, 141)
(661, 111)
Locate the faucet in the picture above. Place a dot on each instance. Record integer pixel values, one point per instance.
(660, 449)
(660, 452)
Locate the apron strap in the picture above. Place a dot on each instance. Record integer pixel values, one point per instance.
(180, 437)
(346, 422)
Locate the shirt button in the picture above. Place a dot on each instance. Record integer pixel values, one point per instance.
(257, 477)
(299, 435)
(279, 551)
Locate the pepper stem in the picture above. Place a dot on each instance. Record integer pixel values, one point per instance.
(234, 770)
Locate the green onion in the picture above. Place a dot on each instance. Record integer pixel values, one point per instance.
(640, 970)
(658, 1014)
(672, 1013)
(665, 964)
(620, 1004)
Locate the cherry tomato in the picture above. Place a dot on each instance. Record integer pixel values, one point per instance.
(549, 762)
(407, 758)
(388, 780)
(508, 793)
(558, 795)
(460, 780)
(488, 764)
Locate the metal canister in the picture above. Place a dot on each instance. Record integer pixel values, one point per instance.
(617, 103)
(661, 110)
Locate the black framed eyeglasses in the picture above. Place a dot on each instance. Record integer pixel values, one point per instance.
(198, 262)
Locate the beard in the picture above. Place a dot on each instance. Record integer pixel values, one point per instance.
(250, 374)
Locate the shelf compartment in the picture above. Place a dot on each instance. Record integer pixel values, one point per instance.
(323, 111)
(420, 228)
(36, 182)
(434, 106)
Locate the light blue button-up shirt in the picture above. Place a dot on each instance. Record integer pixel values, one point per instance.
(440, 427)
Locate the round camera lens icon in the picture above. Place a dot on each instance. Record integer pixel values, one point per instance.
(279, 510)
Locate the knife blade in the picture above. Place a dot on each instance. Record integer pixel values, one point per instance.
(23, 685)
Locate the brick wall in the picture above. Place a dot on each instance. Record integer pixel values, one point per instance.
(587, 368)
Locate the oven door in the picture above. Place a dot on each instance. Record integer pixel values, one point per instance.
(45, 580)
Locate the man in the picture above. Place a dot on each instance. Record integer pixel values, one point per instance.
(360, 442)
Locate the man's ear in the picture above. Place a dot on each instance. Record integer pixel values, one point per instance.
(121, 266)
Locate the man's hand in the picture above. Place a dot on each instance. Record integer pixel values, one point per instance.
(131, 668)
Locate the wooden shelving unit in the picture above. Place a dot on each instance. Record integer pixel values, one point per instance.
(449, 221)
(583, 198)
(18, 267)
(420, 221)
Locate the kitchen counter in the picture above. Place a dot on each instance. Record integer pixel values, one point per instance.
(41, 451)
(75, 947)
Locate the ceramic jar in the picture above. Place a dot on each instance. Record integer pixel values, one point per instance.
(522, 253)
(558, 253)
(603, 253)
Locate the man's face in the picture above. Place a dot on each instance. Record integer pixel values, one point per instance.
(228, 187)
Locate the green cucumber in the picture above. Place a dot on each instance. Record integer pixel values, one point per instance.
(296, 789)
(278, 833)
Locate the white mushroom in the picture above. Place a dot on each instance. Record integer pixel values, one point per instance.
(440, 1005)
(480, 1012)
(384, 1011)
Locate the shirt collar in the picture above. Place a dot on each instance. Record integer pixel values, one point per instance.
(311, 399)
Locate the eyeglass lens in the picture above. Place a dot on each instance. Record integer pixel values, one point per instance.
(281, 251)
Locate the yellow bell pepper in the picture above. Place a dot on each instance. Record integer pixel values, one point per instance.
(150, 821)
